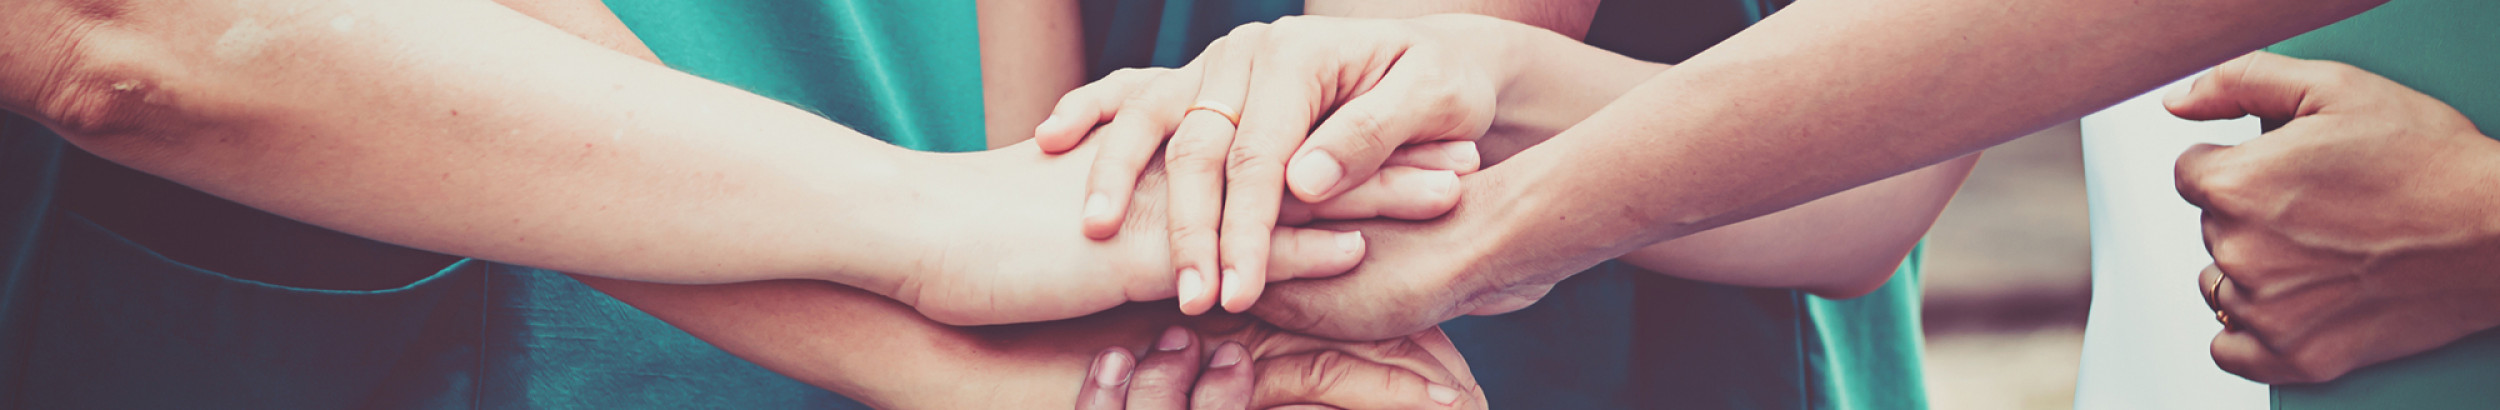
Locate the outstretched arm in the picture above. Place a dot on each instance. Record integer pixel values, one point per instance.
(467, 128)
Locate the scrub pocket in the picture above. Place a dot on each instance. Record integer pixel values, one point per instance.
(114, 325)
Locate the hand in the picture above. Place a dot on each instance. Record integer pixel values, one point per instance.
(2361, 230)
(1363, 375)
(1306, 69)
(1008, 259)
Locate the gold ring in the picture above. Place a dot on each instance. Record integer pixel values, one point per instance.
(1218, 108)
(2219, 315)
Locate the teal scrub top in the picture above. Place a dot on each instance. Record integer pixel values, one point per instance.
(2450, 50)
(126, 291)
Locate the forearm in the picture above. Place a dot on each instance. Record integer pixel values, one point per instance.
(1568, 17)
(463, 127)
(879, 351)
(1838, 246)
(1855, 91)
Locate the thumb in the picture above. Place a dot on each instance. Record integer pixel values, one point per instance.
(1360, 136)
(2267, 85)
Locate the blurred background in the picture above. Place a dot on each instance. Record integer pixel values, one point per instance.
(2009, 279)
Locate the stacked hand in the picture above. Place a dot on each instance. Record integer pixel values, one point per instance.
(1326, 105)
(1278, 370)
(2360, 231)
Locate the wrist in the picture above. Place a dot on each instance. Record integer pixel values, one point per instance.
(1539, 101)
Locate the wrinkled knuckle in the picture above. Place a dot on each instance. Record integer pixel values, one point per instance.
(1248, 160)
(1182, 157)
(1248, 30)
(1327, 369)
(1191, 233)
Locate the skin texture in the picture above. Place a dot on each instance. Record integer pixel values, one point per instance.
(196, 91)
(2359, 231)
(1032, 51)
(1177, 374)
(1851, 254)
(1221, 178)
(511, 162)
(1841, 85)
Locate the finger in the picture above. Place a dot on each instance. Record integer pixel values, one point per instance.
(1408, 106)
(2241, 353)
(1312, 253)
(1458, 156)
(1164, 378)
(2263, 84)
(2193, 169)
(1088, 105)
(1227, 382)
(1343, 380)
(1106, 381)
(1129, 144)
(1194, 166)
(1396, 192)
(1437, 343)
(1240, 238)
(2205, 281)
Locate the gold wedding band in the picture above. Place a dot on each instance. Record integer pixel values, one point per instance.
(2219, 315)
(1218, 108)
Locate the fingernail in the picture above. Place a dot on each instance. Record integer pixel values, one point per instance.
(1316, 173)
(2178, 93)
(1442, 183)
(1097, 206)
(1225, 356)
(1465, 153)
(1046, 124)
(1112, 369)
(1350, 241)
(1192, 287)
(1441, 394)
(1230, 292)
(1173, 339)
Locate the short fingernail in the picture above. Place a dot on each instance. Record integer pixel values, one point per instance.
(1442, 183)
(1096, 206)
(1112, 369)
(2178, 93)
(1047, 123)
(1174, 338)
(1192, 287)
(1315, 173)
(1465, 152)
(1225, 356)
(1231, 292)
(1350, 241)
(1441, 394)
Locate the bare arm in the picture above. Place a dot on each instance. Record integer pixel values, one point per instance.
(639, 171)
(1569, 17)
(1843, 245)
(1845, 86)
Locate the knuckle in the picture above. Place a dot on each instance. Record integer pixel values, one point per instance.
(1367, 130)
(1181, 156)
(1186, 233)
(1247, 30)
(1247, 160)
(1327, 369)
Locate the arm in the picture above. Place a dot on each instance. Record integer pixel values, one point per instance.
(1569, 17)
(1843, 87)
(1823, 83)
(817, 332)
(625, 163)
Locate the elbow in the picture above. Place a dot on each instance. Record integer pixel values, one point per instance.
(1854, 283)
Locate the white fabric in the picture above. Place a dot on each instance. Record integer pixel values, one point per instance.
(2145, 345)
